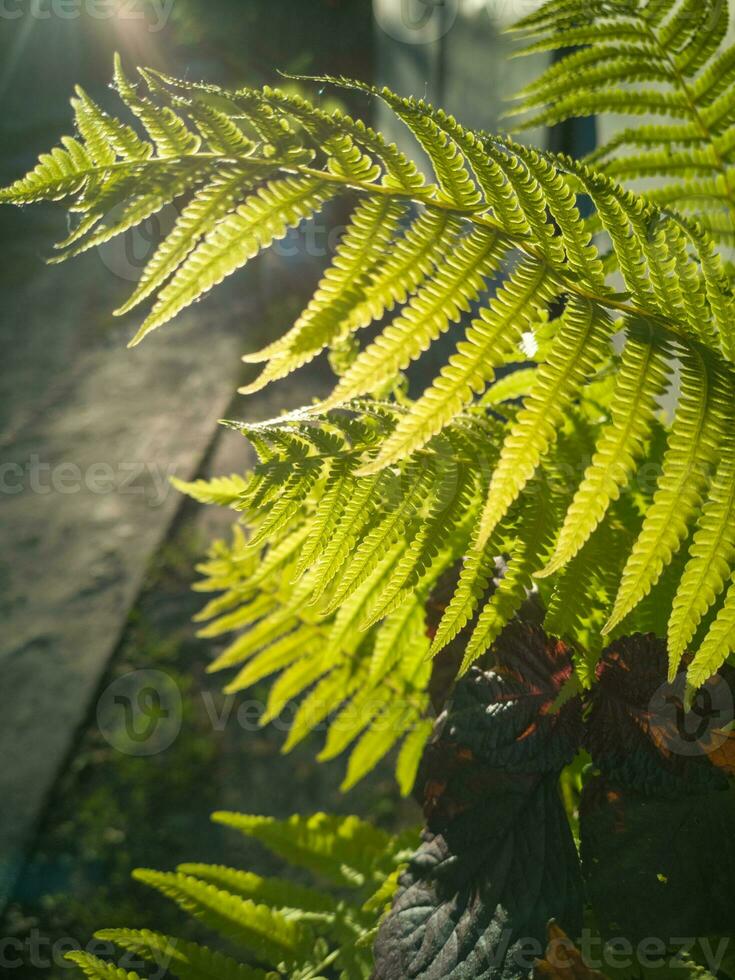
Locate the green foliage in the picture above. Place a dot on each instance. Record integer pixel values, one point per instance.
(610, 50)
(275, 927)
(359, 505)
(329, 553)
(362, 507)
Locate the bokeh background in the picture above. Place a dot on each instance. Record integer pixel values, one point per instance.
(98, 553)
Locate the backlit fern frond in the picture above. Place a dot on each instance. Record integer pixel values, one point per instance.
(641, 379)
(333, 606)
(631, 57)
(700, 423)
(355, 510)
(277, 927)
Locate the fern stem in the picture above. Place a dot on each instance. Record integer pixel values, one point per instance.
(513, 240)
(522, 242)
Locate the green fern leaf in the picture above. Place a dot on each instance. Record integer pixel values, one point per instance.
(577, 348)
(353, 719)
(270, 935)
(225, 491)
(189, 960)
(385, 731)
(642, 377)
(444, 531)
(96, 969)
(717, 645)
(478, 568)
(323, 699)
(265, 632)
(427, 315)
(345, 849)
(168, 132)
(410, 262)
(267, 216)
(369, 234)
(454, 180)
(527, 554)
(489, 341)
(276, 893)
(517, 384)
(200, 216)
(357, 513)
(277, 655)
(698, 425)
(711, 562)
(410, 754)
(412, 493)
(677, 45)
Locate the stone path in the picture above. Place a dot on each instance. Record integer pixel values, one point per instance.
(91, 433)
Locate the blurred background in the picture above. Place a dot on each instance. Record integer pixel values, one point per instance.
(99, 550)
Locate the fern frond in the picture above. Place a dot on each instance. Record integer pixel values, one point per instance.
(372, 227)
(97, 969)
(189, 960)
(105, 137)
(276, 893)
(345, 849)
(357, 515)
(335, 563)
(267, 216)
(711, 562)
(489, 341)
(417, 483)
(410, 755)
(412, 260)
(681, 50)
(701, 419)
(516, 384)
(641, 379)
(445, 529)
(427, 315)
(200, 216)
(271, 936)
(276, 655)
(167, 130)
(225, 491)
(455, 184)
(579, 346)
(478, 569)
(717, 645)
(336, 927)
(584, 592)
(385, 730)
(537, 526)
